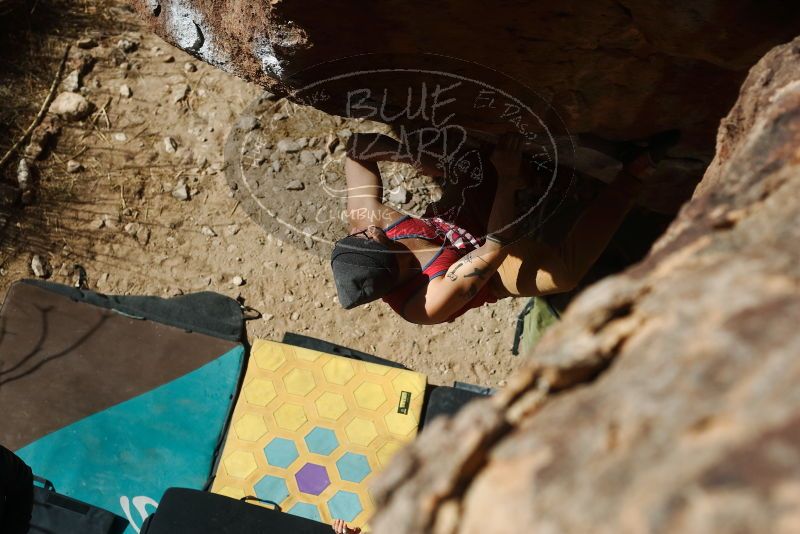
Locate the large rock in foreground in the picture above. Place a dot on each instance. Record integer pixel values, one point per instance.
(667, 400)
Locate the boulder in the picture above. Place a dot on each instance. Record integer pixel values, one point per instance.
(666, 400)
(620, 70)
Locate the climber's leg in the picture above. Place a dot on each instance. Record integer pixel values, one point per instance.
(534, 268)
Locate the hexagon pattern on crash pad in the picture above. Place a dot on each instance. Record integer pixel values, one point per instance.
(312, 429)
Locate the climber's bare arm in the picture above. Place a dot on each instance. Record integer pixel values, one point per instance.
(446, 295)
(365, 188)
(364, 184)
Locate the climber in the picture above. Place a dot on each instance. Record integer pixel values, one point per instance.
(433, 269)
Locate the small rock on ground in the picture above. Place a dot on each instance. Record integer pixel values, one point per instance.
(126, 45)
(179, 93)
(70, 106)
(24, 175)
(170, 145)
(143, 235)
(40, 267)
(74, 166)
(181, 192)
(248, 123)
(295, 185)
(288, 146)
(307, 158)
(399, 195)
(72, 81)
(86, 43)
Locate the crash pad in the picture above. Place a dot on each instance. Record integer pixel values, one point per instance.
(112, 408)
(310, 430)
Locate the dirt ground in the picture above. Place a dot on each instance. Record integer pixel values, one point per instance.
(119, 219)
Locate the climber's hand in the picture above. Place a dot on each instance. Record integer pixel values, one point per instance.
(339, 527)
(507, 159)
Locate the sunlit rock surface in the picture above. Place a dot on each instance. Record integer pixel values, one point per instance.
(667, 399)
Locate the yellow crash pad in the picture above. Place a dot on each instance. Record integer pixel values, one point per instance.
(310, 430)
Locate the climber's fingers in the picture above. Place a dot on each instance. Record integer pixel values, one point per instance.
(507, 155)
(510, 141)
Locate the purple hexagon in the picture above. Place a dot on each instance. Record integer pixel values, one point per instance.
(312, 478)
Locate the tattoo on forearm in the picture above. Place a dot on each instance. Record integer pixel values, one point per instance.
(476, 273)
(452, 276)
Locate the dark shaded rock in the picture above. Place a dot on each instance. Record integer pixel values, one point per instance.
(620, 70)
(86, 43)
(9, 195)
(666, 400)
(42, 136)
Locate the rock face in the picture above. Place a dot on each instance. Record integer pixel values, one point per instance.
(619, 69)
(667, 399)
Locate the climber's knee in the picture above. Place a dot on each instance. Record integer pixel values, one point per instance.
(567, 282)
